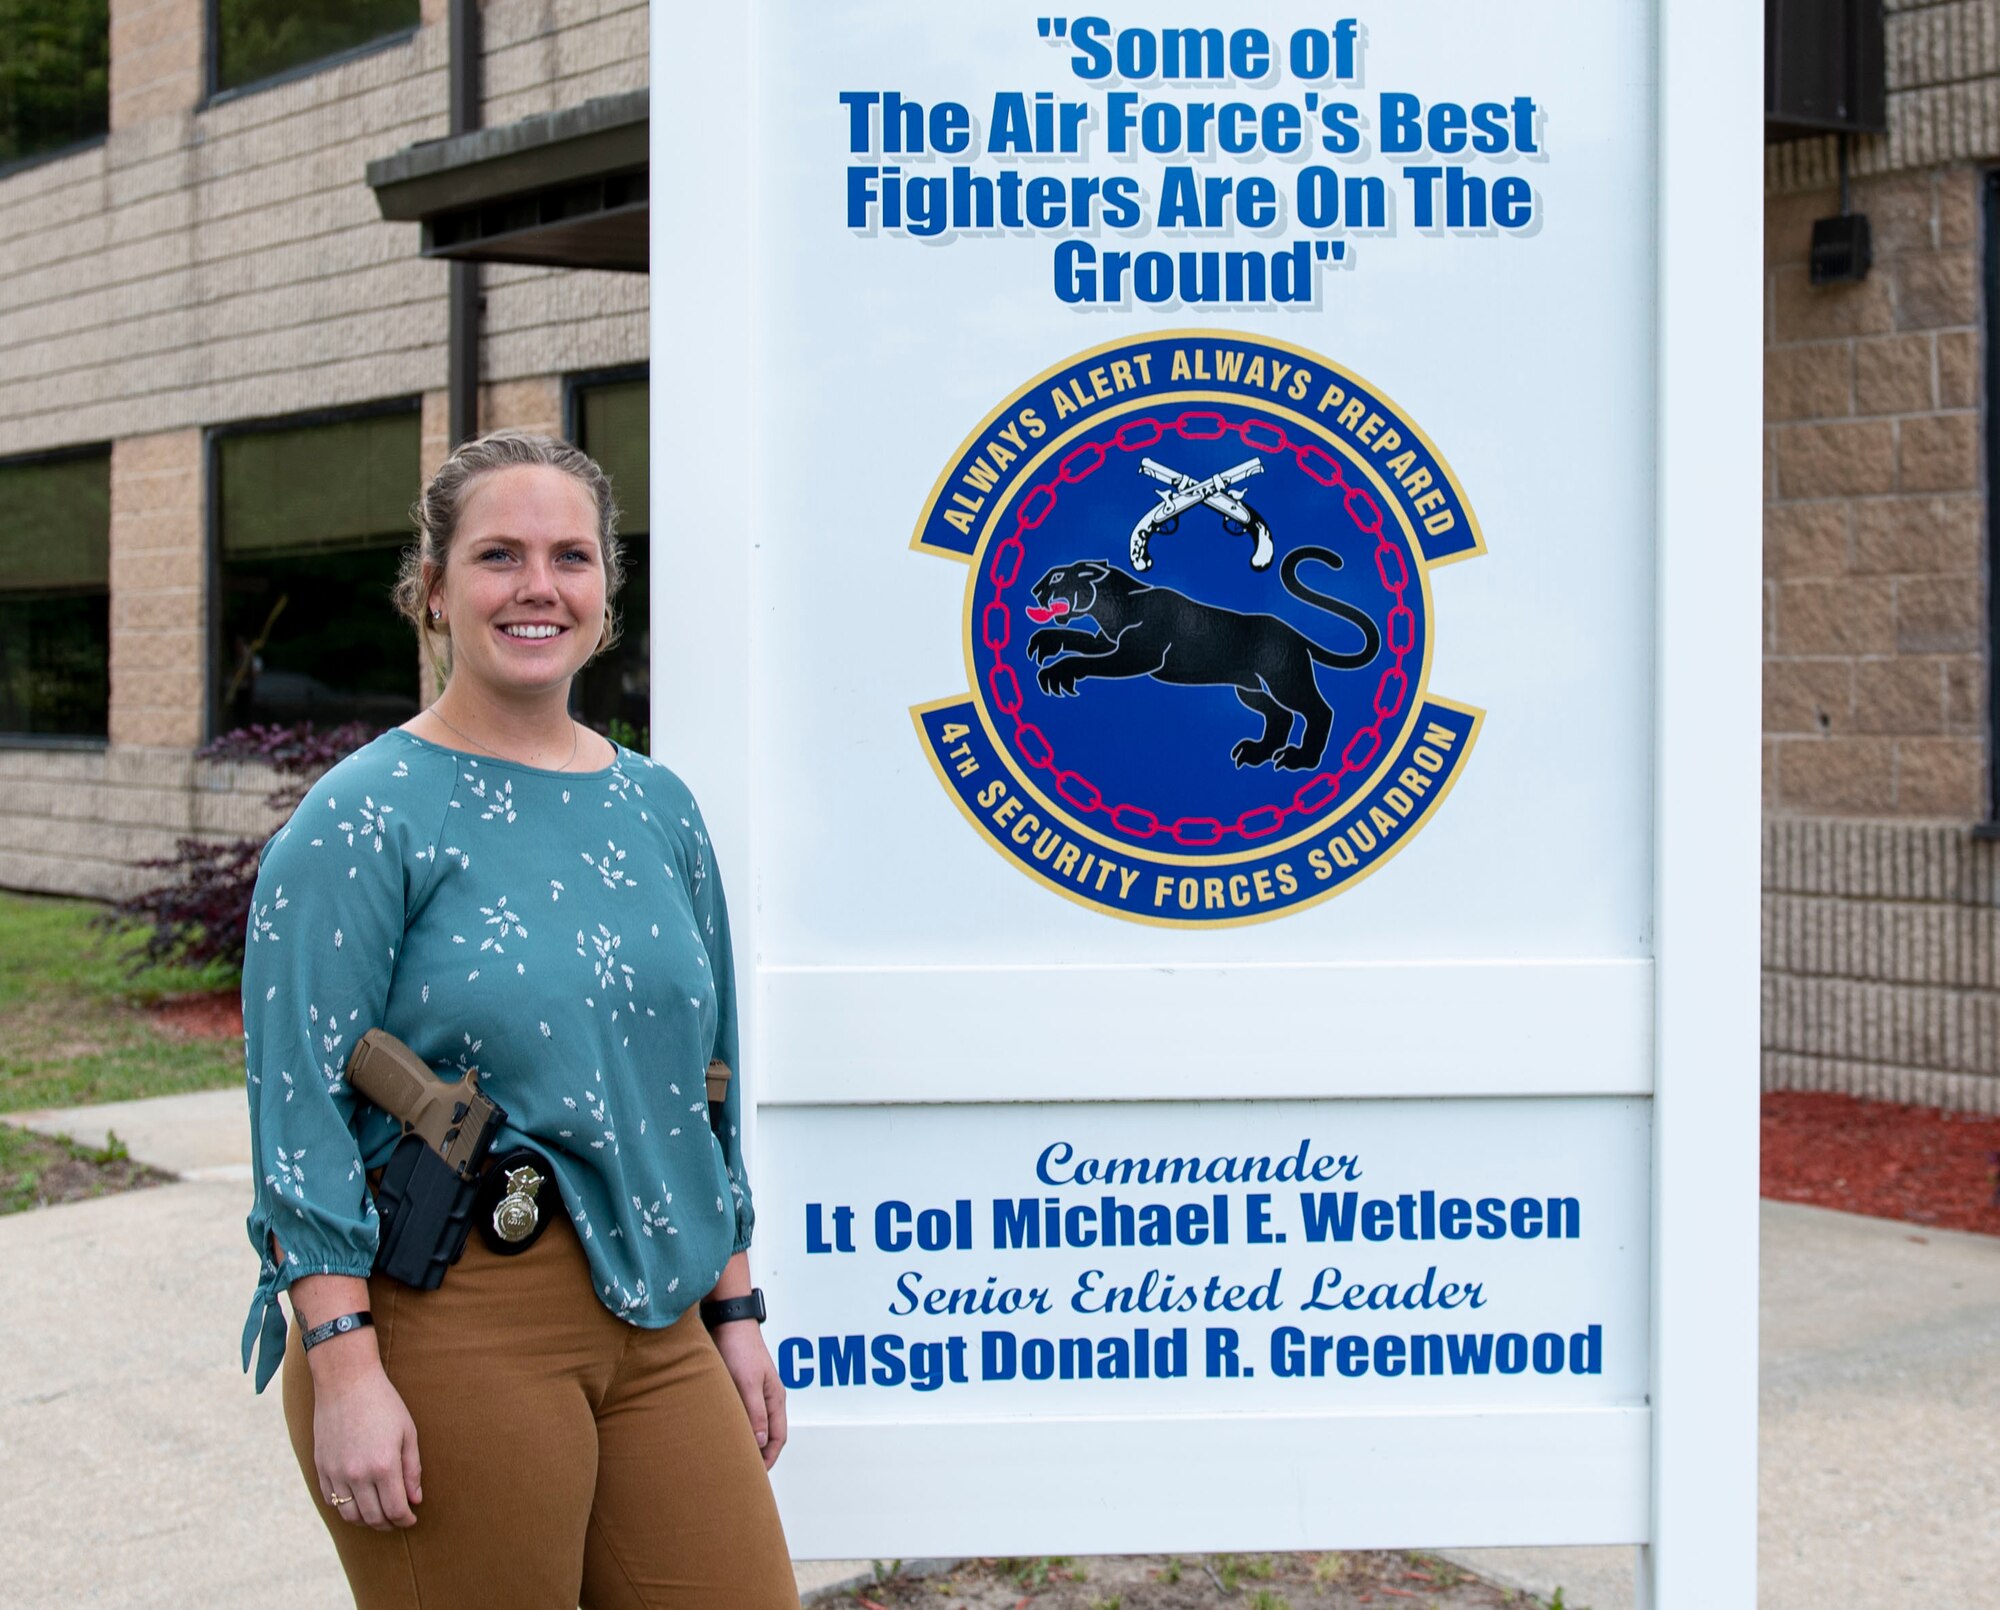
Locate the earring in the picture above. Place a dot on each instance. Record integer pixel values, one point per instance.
(437, 615)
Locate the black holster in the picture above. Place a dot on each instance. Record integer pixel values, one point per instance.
(425, 1213)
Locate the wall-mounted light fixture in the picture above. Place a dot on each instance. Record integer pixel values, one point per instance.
(1842, 246)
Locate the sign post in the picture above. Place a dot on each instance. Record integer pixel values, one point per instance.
(1226, 693)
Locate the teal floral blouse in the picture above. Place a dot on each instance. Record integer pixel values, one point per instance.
(561, 932)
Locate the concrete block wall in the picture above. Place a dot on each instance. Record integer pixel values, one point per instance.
(75, 822)
(159, 562)
(208, 264)
(1874, 521)
(539, 57)
(1882, 961)
(1881, 906)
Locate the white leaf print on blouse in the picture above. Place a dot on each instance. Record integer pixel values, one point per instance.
(499, 917)
(500, 808)
(629, 1301)
(290, 1172)
(596, 1107)
(261, 927)
(654, 1217)
(373, 823)
(332, 1064)
(606, 867)
(609, 971)
(464, 1064)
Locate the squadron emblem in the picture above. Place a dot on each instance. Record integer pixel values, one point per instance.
(1198, 735)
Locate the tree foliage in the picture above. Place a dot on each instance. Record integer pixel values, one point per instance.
(259, 38)
(55, 74)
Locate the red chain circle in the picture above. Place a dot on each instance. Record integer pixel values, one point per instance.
(995, 639)
(1391, 690)
(1019, 551)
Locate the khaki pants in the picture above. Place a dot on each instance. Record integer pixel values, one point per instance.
(568, 1458)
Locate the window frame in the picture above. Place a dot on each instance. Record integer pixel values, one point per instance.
(56, 740)
(214, 94)
(574, 384)
(211, 453)
(1989, 387)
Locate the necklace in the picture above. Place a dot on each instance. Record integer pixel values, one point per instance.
(575, 737)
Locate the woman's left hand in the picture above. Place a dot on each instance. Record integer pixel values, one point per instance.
(741, 1344)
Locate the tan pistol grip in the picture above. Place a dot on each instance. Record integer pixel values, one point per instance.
(389, 1073)
(718, 1081)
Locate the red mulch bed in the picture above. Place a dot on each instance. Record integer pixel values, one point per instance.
(218, 1016)
(1883, 1160)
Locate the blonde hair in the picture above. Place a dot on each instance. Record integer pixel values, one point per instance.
(436, 517)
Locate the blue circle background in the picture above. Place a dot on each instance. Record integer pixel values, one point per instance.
(1167, 747)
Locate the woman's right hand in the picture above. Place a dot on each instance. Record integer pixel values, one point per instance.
(364, 1441)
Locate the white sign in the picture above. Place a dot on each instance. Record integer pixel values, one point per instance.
(1059, 1271)
(1225, 690)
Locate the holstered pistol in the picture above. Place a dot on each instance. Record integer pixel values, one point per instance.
(425, 1199)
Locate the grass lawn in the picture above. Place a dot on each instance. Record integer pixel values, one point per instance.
(73, 1024)
(36, 1171)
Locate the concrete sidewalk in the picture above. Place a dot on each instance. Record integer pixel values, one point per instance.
(136, 1467)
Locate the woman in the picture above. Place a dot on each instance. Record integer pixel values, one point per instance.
(505, 891)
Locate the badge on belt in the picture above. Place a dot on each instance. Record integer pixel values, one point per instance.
(509, 1212)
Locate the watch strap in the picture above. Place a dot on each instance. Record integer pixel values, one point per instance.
(723, 1310)
(336, 1327)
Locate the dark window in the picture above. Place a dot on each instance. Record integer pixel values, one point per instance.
(54, 75)
(610, 424)
(1823, 68)
(259, 39)
(311, 522)
(55, 601)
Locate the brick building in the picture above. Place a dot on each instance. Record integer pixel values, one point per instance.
(205, 298)
(1881, 877)
(221, 375)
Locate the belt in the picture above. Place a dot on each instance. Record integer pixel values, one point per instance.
(427, 1212)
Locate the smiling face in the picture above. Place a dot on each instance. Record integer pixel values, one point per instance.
(522, 589)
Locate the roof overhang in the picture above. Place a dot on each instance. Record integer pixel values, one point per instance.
(565, 189)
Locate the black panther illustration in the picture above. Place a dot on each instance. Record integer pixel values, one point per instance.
(1140, 630)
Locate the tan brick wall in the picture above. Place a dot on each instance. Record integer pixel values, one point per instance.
(1881, 943)
(229, 263)
(1881, 961)
(534, 404)
(157, 64)
(1873, 535)
(74, 822)
(158, 570)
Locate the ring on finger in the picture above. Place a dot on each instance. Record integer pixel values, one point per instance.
(336, 1502)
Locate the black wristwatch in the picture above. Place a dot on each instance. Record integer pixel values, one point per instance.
(723, 1310)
